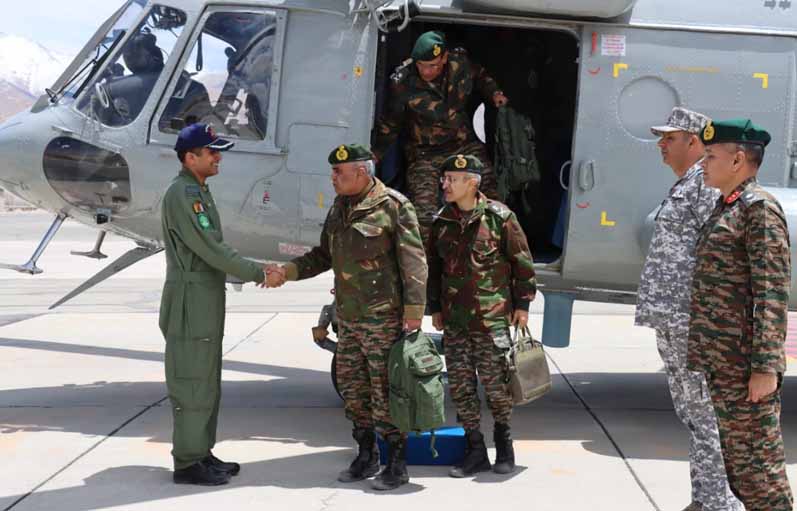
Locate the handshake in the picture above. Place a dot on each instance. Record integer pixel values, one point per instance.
(276, 275)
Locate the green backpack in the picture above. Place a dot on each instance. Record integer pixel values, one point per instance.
(415, 375)
(516, 165)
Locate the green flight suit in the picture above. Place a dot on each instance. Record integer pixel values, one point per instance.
(192, 313)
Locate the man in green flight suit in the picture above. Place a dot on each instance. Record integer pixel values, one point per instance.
(372, 243)
(192, 306)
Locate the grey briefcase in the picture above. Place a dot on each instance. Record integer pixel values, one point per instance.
(529, 376)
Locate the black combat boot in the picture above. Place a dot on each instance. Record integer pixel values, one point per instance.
(504, 452)
(475, 459)
(395, 472)
(201, 473)
(366, 464)
(223, 466)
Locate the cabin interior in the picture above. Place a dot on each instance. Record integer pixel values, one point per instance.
(538, 71)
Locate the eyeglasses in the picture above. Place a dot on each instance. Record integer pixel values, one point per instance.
(451, 180)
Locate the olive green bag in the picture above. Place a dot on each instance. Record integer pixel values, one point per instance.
(529, 376)
(415, 377)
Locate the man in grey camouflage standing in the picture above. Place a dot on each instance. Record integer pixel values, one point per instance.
(663, 302)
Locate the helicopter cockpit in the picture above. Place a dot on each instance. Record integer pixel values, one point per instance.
(227, 79)
(117, 94)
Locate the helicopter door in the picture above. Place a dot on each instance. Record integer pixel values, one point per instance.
(229, 77)
(630, 79)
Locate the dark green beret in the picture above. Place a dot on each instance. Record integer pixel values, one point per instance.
(740, 131)
(429, 46)
(350, 152)
(463, 163)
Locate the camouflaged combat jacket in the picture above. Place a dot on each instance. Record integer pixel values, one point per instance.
(666, 282)
(740, 289)
(480, 267)
(435, 113)
(373, 244)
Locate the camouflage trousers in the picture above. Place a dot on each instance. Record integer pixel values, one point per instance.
(423, 182)
(362, 354)
(469, 353)
(692, 403)
(752, 444)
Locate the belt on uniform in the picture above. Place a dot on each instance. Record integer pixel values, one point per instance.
(192, 276)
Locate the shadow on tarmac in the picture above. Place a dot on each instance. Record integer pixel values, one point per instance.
(629, 405)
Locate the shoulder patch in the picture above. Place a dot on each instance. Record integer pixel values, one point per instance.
(754, 194)
(402, 71)
(398, 196)
(750, 198)
(499, 209)
(192, 191)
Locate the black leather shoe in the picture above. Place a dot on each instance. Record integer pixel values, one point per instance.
(230, 467)
(202, 474)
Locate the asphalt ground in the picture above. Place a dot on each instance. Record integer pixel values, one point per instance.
(85, 424)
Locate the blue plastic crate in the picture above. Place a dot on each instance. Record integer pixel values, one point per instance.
(449, 443)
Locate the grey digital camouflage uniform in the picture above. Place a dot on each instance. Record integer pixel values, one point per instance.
(663, 303)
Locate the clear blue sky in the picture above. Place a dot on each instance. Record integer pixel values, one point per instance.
(61, 25)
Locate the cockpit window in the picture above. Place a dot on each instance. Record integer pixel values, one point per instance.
(93, 60)
(227, 79)
(117, 95)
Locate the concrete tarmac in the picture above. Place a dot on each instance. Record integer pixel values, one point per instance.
(85, 424)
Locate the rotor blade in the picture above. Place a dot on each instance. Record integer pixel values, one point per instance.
(126, 260)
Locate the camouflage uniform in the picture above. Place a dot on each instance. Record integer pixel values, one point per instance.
(480, 271)
(738, 326)
(663, 304)
(435, 115)
(373, 245)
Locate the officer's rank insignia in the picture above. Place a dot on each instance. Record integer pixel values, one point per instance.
(460, 162)
(732, 197)
(436, 51)
(708, 133)
(342, 154)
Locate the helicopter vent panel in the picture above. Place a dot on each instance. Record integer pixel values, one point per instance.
(573, 8)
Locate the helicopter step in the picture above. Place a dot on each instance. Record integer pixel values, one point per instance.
(95, 252)
(30, 267)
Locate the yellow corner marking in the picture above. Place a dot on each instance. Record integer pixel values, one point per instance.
(320, 200)
(605, 222)
(764, 77)
(617, 67)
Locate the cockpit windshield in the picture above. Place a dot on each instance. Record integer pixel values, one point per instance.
(93, 60)
(117, 91)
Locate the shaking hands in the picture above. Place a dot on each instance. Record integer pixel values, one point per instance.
(276, 275)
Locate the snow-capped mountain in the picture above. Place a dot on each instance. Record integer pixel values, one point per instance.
(26, 68)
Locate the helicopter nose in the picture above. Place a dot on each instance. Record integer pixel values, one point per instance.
(20, 158)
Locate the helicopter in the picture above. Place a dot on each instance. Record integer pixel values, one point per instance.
(287, 80)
